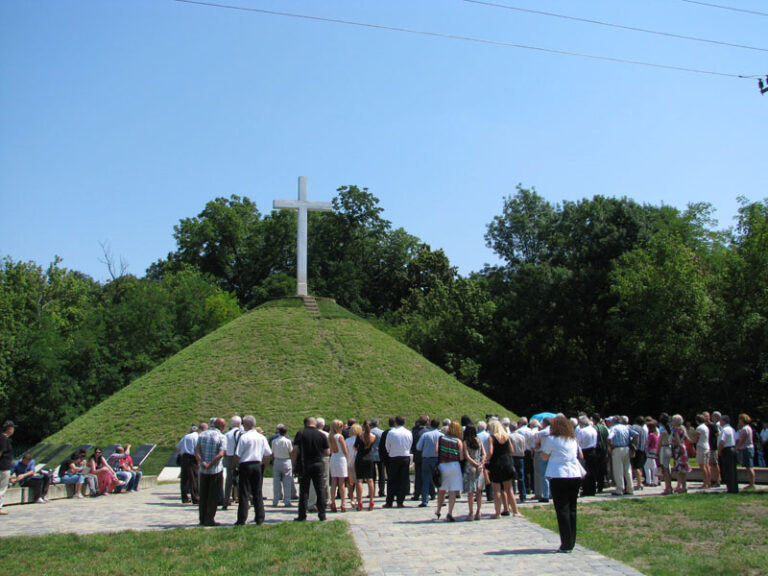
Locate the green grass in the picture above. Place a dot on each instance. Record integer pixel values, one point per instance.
(280, 364)
(283, 549)
(693, 534)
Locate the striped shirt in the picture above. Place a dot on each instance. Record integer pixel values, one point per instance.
(448, 449)
(209, 444)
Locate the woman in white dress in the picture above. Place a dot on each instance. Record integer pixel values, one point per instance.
(354, 431)
(450, 452)
(338, 465)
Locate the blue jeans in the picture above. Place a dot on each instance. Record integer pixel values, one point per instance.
(519, 463)
(428, 466)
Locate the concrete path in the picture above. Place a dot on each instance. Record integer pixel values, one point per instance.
(393, 542)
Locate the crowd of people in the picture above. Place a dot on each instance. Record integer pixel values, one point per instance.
(494, 460)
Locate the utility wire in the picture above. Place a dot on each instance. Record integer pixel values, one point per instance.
(468, 39)
(731, 8)
(619, 26)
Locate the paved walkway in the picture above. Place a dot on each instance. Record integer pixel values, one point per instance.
(393, 542)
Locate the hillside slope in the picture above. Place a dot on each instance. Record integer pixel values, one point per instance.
(280, 364)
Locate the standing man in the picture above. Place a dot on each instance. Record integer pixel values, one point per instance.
(6, 460)
(620, 436)
(310, 446)
(726, 449)
(233, 437)
(189, 469)
(398, 443)
(210, 450)
(249, 456)
(586, 437)
(420, 428)
(378, 466)
(427, 444)
(282, 468)
(518, 460)
(384, 454)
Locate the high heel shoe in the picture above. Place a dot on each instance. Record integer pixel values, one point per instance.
(359, 506)
(450, 518)
(333, 507)
(370, 506)
(437, 515)
(343, 509)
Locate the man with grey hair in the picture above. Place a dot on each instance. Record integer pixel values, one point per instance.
(620, 437)
(310, 446)
(379, 476)
(586, 437)
(233, 438)
(726, 448)
(210, 450)
(251, 451)
(312, 502)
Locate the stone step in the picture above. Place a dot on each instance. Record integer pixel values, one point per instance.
(21, 495)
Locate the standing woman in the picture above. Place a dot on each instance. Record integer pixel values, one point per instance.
(501, 470)
(354, 431)
(364, 464)
(652, 454)
(450, 452)
(474, 476)
(338, 465)
(665, 452)
(561, 452)
(679, 453)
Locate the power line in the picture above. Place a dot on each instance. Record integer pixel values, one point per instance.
(731, 8)
(467, 39)
(611, 25)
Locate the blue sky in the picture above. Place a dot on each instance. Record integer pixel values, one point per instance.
(118, 118)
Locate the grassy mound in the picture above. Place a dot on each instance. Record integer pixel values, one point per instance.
(280, 364)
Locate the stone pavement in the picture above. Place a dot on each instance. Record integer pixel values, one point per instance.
(392, 542)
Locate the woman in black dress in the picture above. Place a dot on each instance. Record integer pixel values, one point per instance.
(364, 464)
(501, 470)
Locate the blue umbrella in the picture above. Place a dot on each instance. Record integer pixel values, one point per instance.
(541, 415)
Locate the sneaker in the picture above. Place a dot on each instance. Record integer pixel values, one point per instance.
(78, 495)
(41, 501)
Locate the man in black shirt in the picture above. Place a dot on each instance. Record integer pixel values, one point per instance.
(6, 460)
(309, 447)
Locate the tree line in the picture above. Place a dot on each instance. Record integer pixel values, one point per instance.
(601, 304)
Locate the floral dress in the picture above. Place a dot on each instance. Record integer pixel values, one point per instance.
(474, 479)
(679, 453)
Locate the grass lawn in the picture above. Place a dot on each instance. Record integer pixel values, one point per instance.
(283, 549)
(691, 534)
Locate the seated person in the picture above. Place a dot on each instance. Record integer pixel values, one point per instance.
(117, 463)
(23, 474)
(128, 466)
(98, 466)
(72, 471)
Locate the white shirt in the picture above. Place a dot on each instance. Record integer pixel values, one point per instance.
(727, 437)
(187, 444)
(281, 447)
(253, 447)
(399, 442)
(530, 436)
(351, 448)
(703, 442)
(586, 437)
(563, 457)
(541, 438)
(232, 436)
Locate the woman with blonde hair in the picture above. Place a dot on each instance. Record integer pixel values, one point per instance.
(679, 453)
(501, 470)
(354, 431)
(364, 464)
(338, 464)
(450, 452)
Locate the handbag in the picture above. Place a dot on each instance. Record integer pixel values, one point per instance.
(437, 477)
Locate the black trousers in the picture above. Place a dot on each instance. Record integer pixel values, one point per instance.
(728, 470)
(313, 473)
(417, 477)
(380, 476)
(565, 493)
(189, 473)
(211, 486)
(529, 473)
(39, 484)
(250, 479)
(602, 467)
(398, 480)
(591, 463)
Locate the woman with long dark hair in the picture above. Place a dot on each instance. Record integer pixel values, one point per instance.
(565, 472)
(474, 477)
(364, 464)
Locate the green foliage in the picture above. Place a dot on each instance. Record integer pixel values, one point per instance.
(280, 364)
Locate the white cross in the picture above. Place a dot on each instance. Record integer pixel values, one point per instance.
(302, 205)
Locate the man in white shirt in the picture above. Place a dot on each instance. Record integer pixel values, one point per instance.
(282, 469)
(250, 453)
(398, 444)
(586, 437)
(726, 448)
(701, 437)
(188, 463)
(233, 437)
